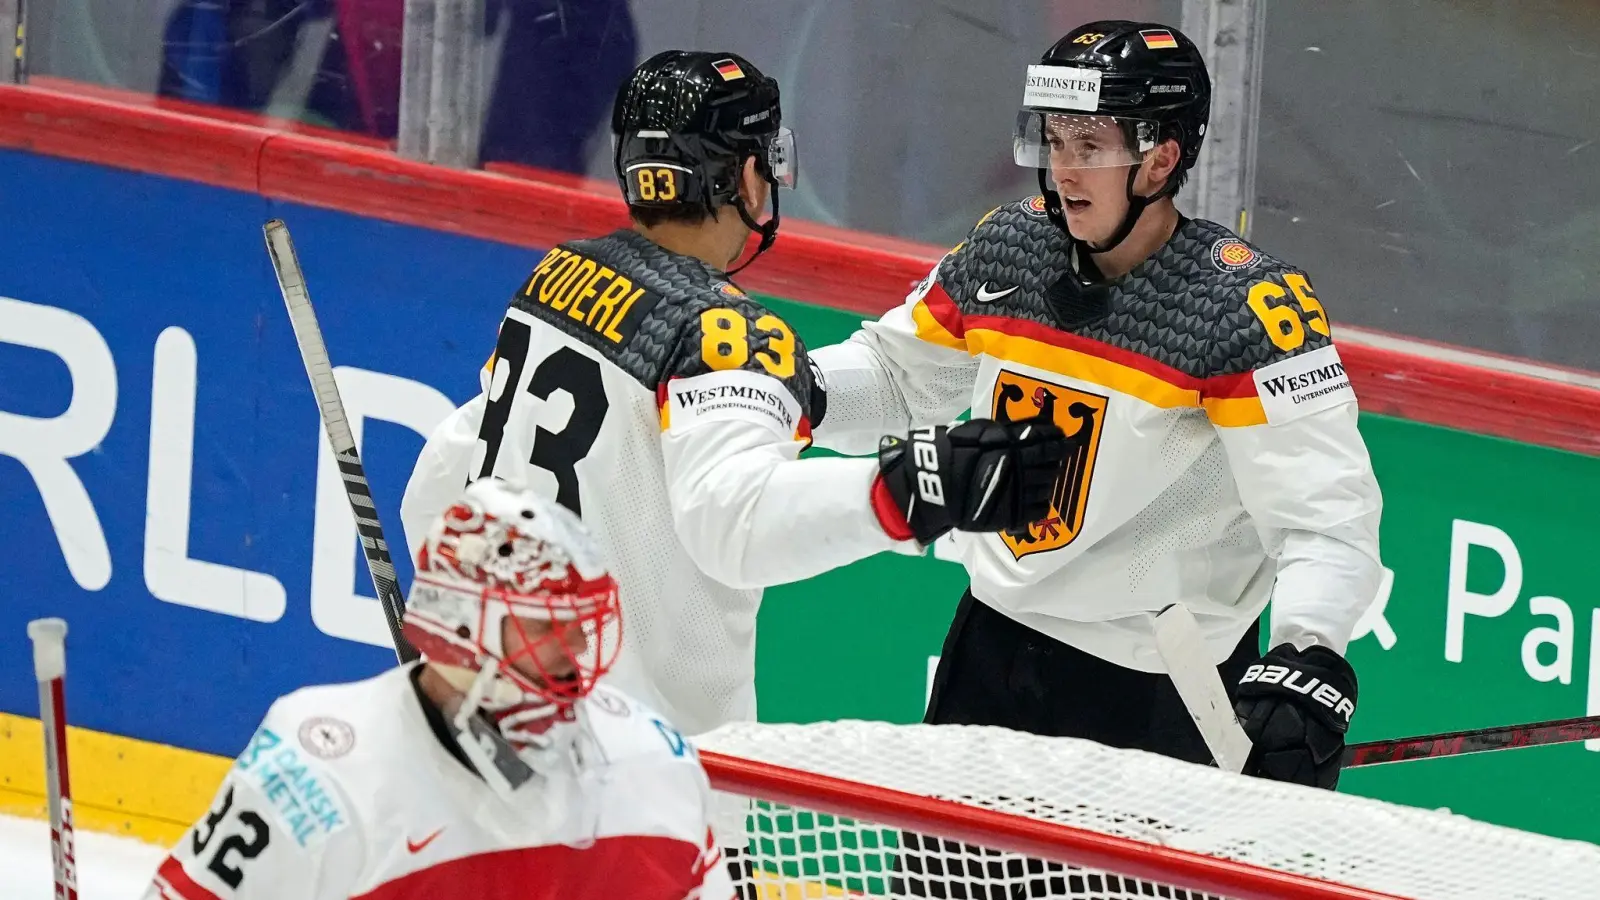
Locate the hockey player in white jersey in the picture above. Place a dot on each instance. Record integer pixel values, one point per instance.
(1215, 458)
(494, 769)
(637, 384)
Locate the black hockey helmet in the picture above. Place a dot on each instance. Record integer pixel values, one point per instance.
(1147, 80)
(683, 125)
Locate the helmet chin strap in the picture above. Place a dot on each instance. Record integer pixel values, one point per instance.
(767, 230)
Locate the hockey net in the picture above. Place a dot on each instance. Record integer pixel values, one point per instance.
(867, 809)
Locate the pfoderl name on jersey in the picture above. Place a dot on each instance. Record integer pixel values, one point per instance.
(296, 787)
(732, 394)
(1302, 385)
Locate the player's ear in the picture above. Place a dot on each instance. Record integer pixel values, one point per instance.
(752, 188)
(1162, 163)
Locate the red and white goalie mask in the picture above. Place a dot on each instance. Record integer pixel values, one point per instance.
(513, 604)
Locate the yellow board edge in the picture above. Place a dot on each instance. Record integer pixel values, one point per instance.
(120, 785)
(154, 792)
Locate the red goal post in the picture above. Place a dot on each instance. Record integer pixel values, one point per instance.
(847, 809)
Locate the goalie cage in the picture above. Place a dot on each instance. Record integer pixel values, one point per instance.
(851, 809)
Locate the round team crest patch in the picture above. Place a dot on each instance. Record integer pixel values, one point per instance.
(1034, 206)
(610, 703)
(326, 737)
(729, 290)
(1232, 256)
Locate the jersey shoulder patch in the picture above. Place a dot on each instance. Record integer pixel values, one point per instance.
(291, 763)
(1265, 310)
(629, 730)
(1271, 328)
(734, 358)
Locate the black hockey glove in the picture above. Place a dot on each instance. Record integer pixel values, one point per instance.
(980, 475)
(1296, 706)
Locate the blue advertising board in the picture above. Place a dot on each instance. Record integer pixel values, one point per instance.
(160, 445)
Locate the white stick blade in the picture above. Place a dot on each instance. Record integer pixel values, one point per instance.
(49, 638)
(1183, 649)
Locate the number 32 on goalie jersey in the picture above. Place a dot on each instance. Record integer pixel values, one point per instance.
(233, 852)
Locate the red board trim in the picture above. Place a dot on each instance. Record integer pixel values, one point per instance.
(811, 263)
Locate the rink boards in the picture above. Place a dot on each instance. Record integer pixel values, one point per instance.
(159, 466)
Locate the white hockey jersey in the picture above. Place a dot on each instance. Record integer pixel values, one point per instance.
(1215, 459)
(644, 391)
(347, 791)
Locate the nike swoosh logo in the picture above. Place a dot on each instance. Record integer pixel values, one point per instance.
(417, 846)
(994, 481)
(987, 296)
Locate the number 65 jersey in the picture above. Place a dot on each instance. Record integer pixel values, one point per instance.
(1215, 461)
(644, 391)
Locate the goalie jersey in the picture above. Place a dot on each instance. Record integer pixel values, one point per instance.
(1216, 460)
(353, 791)
(644, 391)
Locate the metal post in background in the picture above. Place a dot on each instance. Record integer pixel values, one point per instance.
(416, 78)
(441, 82)
(13, 33)
(455, 121)
(1231, 34)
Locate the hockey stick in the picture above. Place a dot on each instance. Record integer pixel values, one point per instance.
(1478, 740)
(1183, 649)
(49, 638)
(314, 353)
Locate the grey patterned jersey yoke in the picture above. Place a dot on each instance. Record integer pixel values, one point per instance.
(1185, 307)
(655, 326)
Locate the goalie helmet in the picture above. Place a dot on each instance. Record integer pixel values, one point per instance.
(683, 125)
(1142, 80)
(513, 604)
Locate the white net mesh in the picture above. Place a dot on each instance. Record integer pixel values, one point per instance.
(795, 852)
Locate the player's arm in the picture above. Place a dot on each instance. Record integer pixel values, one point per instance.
(1287, 421)
(262, 839)
(907, 369)
(736, 411)
(445, 464)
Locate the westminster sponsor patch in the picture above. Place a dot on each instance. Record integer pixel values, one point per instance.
(1061, 87)
(732, 394)
(1302, 385)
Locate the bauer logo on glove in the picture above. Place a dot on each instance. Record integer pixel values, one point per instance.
(1296, 707)
(1297, 680)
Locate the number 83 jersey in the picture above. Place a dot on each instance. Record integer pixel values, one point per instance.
(644, 391)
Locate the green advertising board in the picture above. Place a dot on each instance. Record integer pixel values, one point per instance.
(1489, 618)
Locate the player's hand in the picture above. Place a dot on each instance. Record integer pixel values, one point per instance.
(980, 475)
(1296, 706)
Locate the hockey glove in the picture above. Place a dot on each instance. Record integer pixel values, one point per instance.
(1296, 706)
(980, 475)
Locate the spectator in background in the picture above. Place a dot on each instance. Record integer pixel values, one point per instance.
(559, 71)
(558, 68)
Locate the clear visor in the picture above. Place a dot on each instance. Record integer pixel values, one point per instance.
(781, 159)
(1067, 141)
